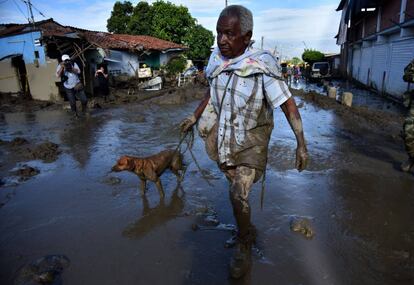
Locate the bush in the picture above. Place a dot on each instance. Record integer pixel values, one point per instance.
(175, 65)
(311, 56)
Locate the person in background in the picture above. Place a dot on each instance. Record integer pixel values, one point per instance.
(69, 72)
(103, 82)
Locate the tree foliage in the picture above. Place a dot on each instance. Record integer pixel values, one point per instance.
(310, 56)
(141, 20)
(163, 20)
(120, 17)
(199, 40)
(296, 60)
(171, 22)
(176, 65)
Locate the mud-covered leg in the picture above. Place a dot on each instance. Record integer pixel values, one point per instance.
(159, 187)
(239, 193)
(143, 186)
(408, 135)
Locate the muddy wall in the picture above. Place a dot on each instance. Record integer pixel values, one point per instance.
(42, 81)
(9, 82)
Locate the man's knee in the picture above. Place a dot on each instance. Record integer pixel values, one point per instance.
(82, 97)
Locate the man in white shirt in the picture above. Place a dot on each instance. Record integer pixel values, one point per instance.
(69, 72)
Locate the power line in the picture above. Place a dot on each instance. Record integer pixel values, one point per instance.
(33, 6)
(18, 7)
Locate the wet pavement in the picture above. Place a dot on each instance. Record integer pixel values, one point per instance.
(359, 205)
(361, 97)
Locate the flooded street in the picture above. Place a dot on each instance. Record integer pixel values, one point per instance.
(360, 205)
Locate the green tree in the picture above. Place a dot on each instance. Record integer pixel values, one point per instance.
(171, 22)
(199, 40)
(162, 20)
(296, 60)
(176, 65)
(120, 16)
(310, 56)
(140, 22)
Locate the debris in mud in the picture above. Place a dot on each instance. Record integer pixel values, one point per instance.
(303, 226)
(17, 102)
(45, 270)
(179, 96)
(47, 151)
(26, 172)
(207, 220)
(112, 180)
(18, 141)
(357, 116)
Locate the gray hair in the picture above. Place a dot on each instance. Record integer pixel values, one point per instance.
(243, 14)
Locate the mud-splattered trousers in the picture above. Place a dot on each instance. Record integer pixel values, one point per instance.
(241, 179)
(73, 95)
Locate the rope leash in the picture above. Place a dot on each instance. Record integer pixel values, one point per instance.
(188, 137)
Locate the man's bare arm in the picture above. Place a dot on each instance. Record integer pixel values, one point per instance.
(202, 106)
(60, 71)
(295, 121)
(188, 122)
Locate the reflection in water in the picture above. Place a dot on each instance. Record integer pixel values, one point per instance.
(156, 216)
(81, 138)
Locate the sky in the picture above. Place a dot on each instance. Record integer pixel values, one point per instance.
(285, 25)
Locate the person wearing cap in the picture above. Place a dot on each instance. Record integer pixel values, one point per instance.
(69, 72)
(245, 86)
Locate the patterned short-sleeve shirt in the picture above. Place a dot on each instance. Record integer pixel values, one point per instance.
(240, 108)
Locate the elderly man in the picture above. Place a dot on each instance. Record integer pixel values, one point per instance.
(245, 87)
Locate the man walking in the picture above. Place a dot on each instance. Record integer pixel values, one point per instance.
(69, 72)
(245, 86)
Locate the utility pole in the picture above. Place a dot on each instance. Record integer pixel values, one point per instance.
(262, 42)
(29, 5)
(226, 3)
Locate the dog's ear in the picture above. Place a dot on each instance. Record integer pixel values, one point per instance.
(122, 161)
(129, 163)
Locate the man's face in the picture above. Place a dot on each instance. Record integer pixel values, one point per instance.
(229, 38)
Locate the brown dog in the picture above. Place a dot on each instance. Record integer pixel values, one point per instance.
(151, 167)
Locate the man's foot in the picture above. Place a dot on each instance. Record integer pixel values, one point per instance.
(75, 115)
(407, 165)
(241, 260)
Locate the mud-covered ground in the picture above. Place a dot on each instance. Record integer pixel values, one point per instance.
(347, 219)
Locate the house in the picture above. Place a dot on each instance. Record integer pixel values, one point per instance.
(30, 53)
(377, 42)
(334, 60)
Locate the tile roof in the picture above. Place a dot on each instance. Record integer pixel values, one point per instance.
(131, 42)
(102, 39)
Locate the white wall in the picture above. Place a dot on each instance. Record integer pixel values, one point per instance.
(122, 62)
(390, 56)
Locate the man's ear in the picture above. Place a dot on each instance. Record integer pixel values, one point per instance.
(247, 37)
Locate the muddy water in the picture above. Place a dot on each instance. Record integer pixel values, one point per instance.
(360, 206)
(361, 97)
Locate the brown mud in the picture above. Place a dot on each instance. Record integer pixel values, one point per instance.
(11, 103)
(360, 117)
